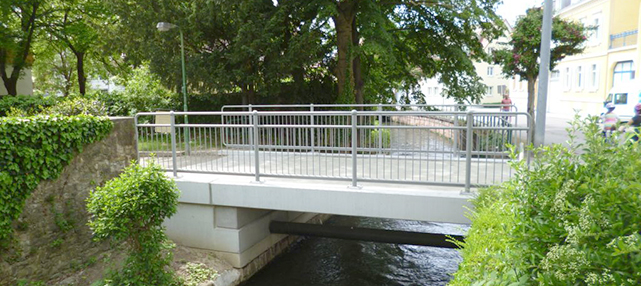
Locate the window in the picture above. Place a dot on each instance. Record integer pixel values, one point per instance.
(501, 89)
(567, 80)
(555, 75)
(596, 26)
(579, 77)
(489, 90)
(621, 98)
(490, 71)
(623, 73)
(594, 77)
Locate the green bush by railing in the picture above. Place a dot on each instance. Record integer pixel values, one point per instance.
(26, 103)
(131, 209)
(569, 219)
(37, 148)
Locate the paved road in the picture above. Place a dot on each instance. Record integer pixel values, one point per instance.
(555, 129)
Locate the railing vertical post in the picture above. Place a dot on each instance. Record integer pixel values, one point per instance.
(256, 142)
(354, 149)
(137, 139)
(457, 134)
(251, 135)
(469, 138)
(380, 130)
(311, 122)
(173, 142)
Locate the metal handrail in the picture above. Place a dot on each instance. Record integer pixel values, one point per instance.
(308, 128)
(311, 106)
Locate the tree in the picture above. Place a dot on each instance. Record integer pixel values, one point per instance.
(73, 24)
(254, 49)
(522, 56)
(20, 20)
(436, 37)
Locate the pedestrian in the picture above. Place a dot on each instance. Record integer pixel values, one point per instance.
(506, 105)
(635, 122)
(610, 120)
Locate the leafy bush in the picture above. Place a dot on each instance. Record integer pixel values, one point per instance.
(569, 219)
(385, 134)
(143, 92)
(131, 209)
(77, 106)
(28, 104)
(37, 148)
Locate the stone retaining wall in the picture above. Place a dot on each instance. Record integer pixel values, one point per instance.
(52, 235)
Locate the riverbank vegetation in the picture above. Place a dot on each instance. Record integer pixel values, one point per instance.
(571, 218)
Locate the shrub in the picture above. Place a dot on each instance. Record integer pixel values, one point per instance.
(77, 106)
(28, 104)
(385, 134)
(37, 148)
(131, 209)
(569, 219)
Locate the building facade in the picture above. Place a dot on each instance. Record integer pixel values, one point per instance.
(610, 59)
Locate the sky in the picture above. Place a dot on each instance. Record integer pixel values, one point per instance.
(511, 9)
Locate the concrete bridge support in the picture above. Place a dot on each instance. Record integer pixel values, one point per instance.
(238, 235)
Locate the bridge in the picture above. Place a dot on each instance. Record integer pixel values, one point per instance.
(239, 170)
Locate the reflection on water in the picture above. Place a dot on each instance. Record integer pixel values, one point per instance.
(323, 261)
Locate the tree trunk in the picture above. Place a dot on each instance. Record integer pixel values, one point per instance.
(356, 67)
(82, 80)
(343, 23)
(11, 86)
(531, 81)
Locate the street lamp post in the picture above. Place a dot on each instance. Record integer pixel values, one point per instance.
(163, 27)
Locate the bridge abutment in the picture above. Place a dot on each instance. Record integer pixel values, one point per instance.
(238, 235)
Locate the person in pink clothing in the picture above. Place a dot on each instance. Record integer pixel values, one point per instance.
(506, 103)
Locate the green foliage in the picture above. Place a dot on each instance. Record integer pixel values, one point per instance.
(197, 273)
(37, 148)
(385, 134)
(131, 209)
(523, 52)
(143, 92)
(77, 106)
(522, 56)
(25, 104)
(569, 219)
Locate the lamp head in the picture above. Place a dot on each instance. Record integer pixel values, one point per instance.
(165, 26)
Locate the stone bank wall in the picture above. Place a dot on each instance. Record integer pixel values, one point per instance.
(52, 232)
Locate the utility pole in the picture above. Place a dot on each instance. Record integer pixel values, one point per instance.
(544, 70)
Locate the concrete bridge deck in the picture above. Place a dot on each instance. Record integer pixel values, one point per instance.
(413, 168)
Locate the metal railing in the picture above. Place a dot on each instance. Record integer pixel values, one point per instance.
(377, 107)
(452, 148)
(627, 38)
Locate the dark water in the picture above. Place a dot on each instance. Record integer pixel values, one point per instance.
(324, 261)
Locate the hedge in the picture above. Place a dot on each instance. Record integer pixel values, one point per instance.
(572, 218)
(37, 148)
(30, 104)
